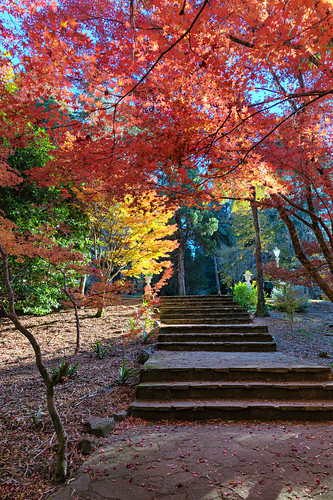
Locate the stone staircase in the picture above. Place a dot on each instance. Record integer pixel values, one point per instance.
(209, 323)
(213, 362)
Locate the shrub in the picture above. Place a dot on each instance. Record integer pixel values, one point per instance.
(289, 299)
(245, 296)
(100, 351)
(127, 373)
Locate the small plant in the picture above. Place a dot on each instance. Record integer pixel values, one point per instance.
(289, 299)
(63, 372)
(100, 351)
(146, 335)
(127, 373)
(35, 417)
(245, 296)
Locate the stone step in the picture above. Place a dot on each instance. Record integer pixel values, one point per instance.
(271, 374)
(226, 367)
(218, 346)
(214, 337)
(222, 313)
(229, 320)
(176, 298)
(233, 410)
(281, 391)
(194, 299)
(198, 303)
(208, 320)
(213, 328)
(201, 309)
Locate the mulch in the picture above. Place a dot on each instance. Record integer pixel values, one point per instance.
(28, 444)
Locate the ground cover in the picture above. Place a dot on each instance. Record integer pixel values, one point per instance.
(27, 446)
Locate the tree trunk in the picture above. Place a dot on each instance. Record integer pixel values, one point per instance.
(261, 310)
(76, 312)
(181, 270)
(181, 249)
(100, 312)
(82, 285)
(78, 336)
(61, 464)
(217, 280)
(300, 254)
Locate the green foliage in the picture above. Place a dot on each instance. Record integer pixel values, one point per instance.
(35, 292)
(245, 296)
(35, 417)
(64, 371)
(147, 334)
(38, 289)
(127, 373)
(235, 260)
(289, 299)
(100, 351)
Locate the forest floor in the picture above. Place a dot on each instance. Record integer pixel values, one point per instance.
(28, 444)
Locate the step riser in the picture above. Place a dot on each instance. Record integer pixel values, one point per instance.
(208, 312)
(199, 303)
(206, 321)
(228, 307)
(175, 329)
(265, 415)
(270, 393)
(233, 375)
(215, 337)
(193, 318)
(218, 347)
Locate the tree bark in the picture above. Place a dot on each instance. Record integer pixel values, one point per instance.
(61, 463)
(306, 263)
(180, 257)
(261, 310)
(217, 280)
(76, 312)
(100, 312)
(82, 285)
(181, 270)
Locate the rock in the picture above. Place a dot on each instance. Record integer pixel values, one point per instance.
(100, 427)
(120, 416)
(87, 445)
(144, 354)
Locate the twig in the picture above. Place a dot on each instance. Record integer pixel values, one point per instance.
(84, 397)
(45, 493)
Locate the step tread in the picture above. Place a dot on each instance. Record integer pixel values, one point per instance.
(210, 325)
(224, 404)
(198, 343)
(215, 334)
(237, 384)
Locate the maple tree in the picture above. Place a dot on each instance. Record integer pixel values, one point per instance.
(129, 237)
(132, 94)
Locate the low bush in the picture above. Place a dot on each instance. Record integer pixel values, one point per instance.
(245, 296)
(289, 299)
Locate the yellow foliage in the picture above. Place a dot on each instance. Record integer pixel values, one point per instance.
(128, 236)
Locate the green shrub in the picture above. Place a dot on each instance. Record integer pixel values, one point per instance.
(245, 296)
(289, 299)
(127, 373)
(100, 351)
